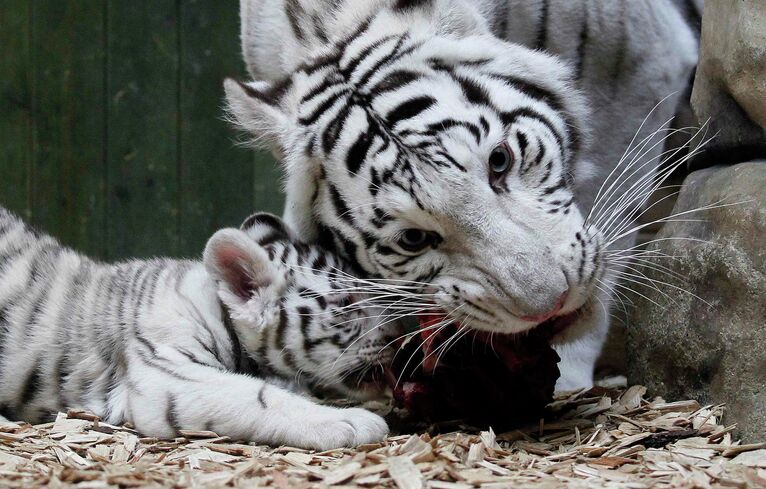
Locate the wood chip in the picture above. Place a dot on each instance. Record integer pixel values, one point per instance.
(612, 461)
(198, 434)
(448, 485)
(613, 438)
(404, 473)
(736, 450)
(342, 474)
(679, 406)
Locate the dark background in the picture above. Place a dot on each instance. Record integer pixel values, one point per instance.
(111, 130)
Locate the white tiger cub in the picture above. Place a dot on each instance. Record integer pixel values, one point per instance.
(423, 146)
(169, 344)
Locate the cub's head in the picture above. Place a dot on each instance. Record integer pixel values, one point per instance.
(297, 311)
(440, 160)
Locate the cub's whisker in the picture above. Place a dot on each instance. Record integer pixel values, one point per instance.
(443, 324)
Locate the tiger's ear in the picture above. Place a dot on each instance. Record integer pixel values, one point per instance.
(248, 19)
(249, 284)
(256, 107)
(269, 46)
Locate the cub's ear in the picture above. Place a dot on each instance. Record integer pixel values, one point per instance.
(250, 285)
(257, 109)
(265, 228)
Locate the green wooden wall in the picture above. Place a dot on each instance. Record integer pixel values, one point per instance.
(111, 130)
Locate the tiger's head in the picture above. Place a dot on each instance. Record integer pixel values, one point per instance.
(297, 311)
(438, 158)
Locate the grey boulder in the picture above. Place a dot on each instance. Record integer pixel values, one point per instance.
(708, 342)
(730, 84)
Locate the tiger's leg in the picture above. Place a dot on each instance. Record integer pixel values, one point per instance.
(165, 399)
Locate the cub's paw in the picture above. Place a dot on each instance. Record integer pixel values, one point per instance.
(368, 427)
(336, 428)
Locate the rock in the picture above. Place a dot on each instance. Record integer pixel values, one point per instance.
(730, 85)
(710, 343)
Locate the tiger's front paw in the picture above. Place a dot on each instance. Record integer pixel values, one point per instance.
(335, 428)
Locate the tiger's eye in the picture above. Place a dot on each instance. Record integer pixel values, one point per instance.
(414, 240)
(500, 159)
(500, 162)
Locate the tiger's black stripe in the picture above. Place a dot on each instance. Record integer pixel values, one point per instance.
(409, 109)
(541, 41)
(411, 4)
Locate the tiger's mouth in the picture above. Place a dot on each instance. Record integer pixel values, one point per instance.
(433, 372)
(550, 327)
(446, 371)
(433, 326)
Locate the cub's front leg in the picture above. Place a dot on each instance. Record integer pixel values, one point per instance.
(163, 400)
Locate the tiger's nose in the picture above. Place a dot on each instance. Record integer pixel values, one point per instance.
(552, 312)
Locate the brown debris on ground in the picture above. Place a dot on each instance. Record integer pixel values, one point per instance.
(601, 438)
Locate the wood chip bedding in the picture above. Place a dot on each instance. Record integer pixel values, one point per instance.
(605, 437)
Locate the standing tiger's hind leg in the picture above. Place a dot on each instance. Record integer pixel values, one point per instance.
(192, 396)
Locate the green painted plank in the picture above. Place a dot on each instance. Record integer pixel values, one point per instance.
(216, 175)
(114, 109)
(67, 180)
(142, 127)
(15, 105)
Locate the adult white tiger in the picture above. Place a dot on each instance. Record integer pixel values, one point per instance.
(427, 149)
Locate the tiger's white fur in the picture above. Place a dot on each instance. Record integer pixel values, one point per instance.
(229, 344)
(459, 80)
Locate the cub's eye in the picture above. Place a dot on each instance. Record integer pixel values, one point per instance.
(414, 240)
(500, 160)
